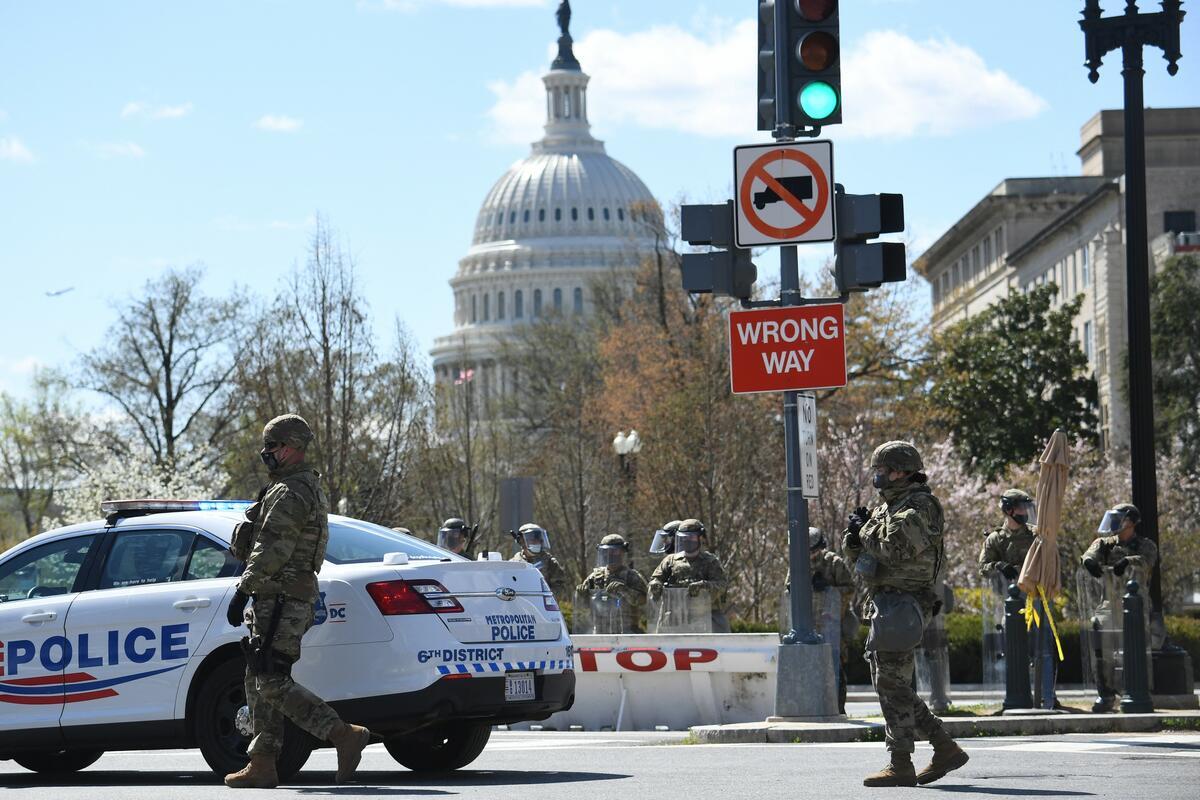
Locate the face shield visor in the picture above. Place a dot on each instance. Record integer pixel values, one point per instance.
(687, 543)
(1025, 512)
(610, 555)
(663, 543)
(452, 539)
(1111, 523)
(536, 541)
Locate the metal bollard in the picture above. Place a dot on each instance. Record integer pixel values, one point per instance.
(1017, 690)
(1137, 680)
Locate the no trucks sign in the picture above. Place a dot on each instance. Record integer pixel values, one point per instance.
(792, 348)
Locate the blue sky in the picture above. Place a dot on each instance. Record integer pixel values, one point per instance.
(139, 135)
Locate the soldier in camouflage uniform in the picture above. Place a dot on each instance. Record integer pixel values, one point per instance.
(615, 577)
(695, 568)
(283, 543)
(1123, 547)
(535, 549)
(897, 548)
(1005, 547)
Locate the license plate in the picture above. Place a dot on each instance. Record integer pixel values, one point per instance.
(519, 686)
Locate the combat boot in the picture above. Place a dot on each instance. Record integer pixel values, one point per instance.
(898, 773)
(350, 741)
(258, 774)
(947, 756)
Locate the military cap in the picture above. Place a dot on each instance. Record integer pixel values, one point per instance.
(1129, 510)
(692, 526)
(897, 455)
(614, 540)
(289, 429)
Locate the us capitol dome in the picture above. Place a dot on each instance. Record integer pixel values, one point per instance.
(556, 222)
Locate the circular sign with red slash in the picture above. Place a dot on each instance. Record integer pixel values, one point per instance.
(784, 193)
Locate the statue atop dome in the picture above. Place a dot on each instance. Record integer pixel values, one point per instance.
(566, 55)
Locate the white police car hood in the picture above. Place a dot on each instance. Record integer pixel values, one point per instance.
(503, 601)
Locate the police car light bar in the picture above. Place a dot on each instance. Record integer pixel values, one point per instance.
(151, 506)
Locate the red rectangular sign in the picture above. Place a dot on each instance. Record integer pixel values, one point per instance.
(792, 348)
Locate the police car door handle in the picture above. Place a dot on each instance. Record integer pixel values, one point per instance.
(192, 602)
(40, 616)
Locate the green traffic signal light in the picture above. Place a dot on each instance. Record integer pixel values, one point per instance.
(818, 100)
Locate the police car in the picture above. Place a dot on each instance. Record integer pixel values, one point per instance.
(113, 637)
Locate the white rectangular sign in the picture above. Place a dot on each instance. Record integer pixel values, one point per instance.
(783, 193)
(806, 411)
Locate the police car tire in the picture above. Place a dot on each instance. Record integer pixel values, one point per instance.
(58, 761)
(449, 747)
(219, 698)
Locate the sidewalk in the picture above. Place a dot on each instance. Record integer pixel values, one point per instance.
(871, 729)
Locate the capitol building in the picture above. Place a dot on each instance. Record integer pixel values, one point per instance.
(556, 223)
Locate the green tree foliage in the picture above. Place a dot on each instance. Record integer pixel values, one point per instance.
(1002, 380)
(1174, 338)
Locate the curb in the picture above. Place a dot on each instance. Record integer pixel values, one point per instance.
(960, 728)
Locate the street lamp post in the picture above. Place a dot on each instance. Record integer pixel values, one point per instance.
(626, 445)
(1131, 32)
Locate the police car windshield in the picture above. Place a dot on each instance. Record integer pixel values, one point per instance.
(358, 542)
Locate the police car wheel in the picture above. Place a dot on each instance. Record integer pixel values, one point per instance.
(217, 735)
(446, 747)
(58, 761)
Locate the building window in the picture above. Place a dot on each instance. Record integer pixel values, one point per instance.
(558, 215)
(541, 215)
(975, 261)
(558, 301)
(474, 308)
(1087, 340)
(937, 291)
(987, 253)
(500, 305)
(591, 214)
(526, 217)
(1085, 268)
(1179, 221)
(606, 215)
(578, 297)
(487, 307)
(537, 302)
(621, 214)
(574, 215)
(999, 237)
(519, 305)
(512, 217)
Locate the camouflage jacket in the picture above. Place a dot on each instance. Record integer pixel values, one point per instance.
(832, 568)
(1005, 546)
(678, 570)
(626, 583)
(1108, 550)
(291, 531)
(552, 571)
(904, 534)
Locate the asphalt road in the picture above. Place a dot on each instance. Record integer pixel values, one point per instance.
(599, 766)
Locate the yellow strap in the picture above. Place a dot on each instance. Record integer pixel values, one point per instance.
(1050, 616)
(1030, 614)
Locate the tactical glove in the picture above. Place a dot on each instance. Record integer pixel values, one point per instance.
(819, 584)
(856, 520)
(1010, 572)
(1093, 566)
(237, 607)
(852, 540)
(1120, 567)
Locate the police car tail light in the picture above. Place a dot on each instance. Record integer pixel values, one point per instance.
(412, 597)
(548, 597)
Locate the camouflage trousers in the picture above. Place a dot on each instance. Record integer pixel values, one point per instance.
(904, 712)
(275, 698)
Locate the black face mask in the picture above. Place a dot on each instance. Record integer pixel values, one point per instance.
(270, 459)
(880, 481)
(1020, 519)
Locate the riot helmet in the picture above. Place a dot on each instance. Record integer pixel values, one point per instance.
(664, 539)
(534, 538)
(612, 552)
(1020, 506)
(453, 535)
(689, 538)
(1114, 518)
(816, 541)
(895, 456)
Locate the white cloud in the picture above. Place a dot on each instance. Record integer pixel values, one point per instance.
(278, 123)
(668, 78)
(147, 111)
(117, 149)
(13, 149)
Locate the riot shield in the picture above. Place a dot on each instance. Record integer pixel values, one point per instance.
(933, 662)
(676, 610)
(601, 612)
(994, 592)
(827, 617)
(1099, 603)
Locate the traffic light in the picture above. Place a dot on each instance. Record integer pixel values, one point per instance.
(860, 265)
(766, 65)
(814, 62)
(727, 272)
